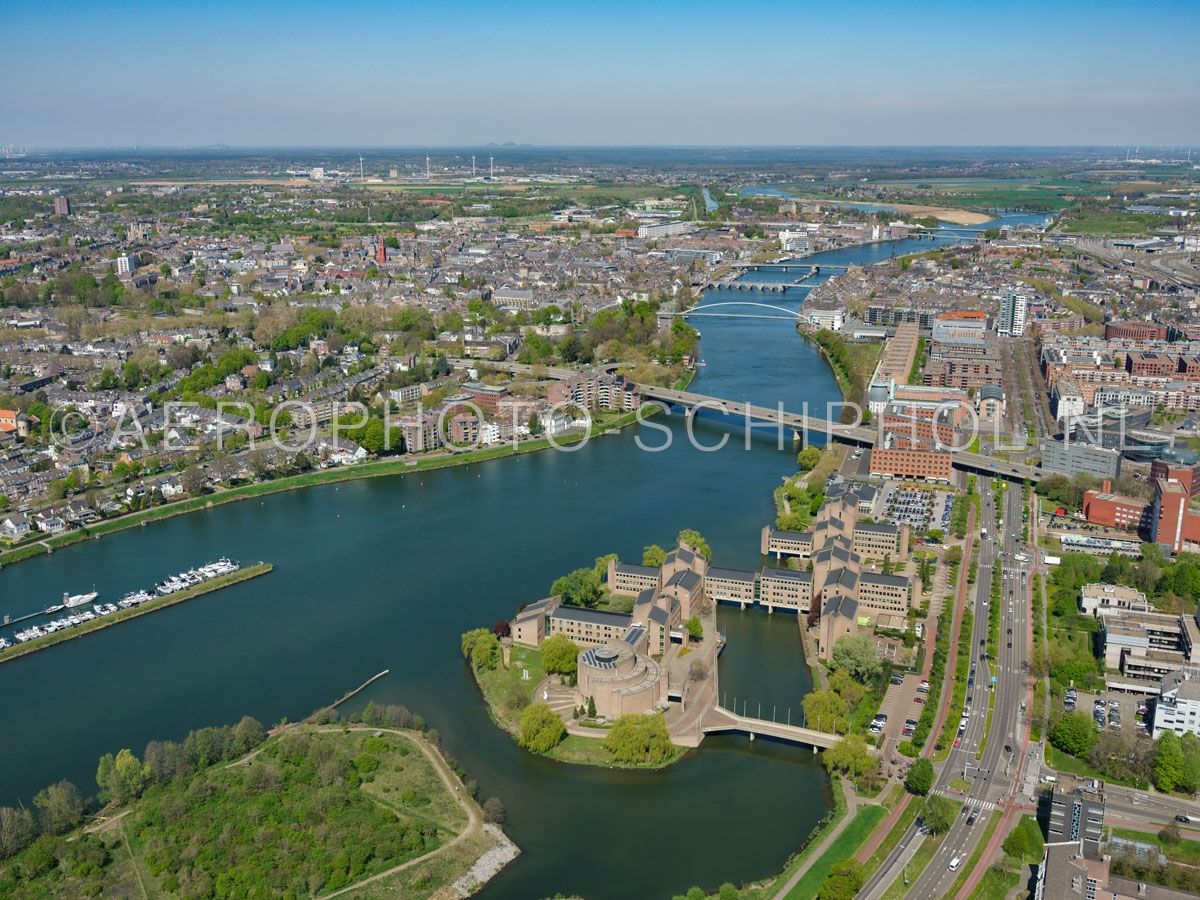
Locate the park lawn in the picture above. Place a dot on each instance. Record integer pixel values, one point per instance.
(1033, 833)
(844, 846)
(1186, 851)
(996, 883)
(495, 684)
(1065, 762)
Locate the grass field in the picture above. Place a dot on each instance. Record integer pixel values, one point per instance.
(1115, 223)
(1186, 851)
(844, 846)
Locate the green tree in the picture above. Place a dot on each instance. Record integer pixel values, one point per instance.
(846, 877)
(639, 740)
(120, 779)
(825, 711)
(696, 541)
(808, 458)
(61, 807)
(856, 654)
(938, 813)
(578, 588)
(1074, 733)
(920, 777)
(601, 566)
(560, 655)
(1169, 762)
(540, 728)
(850, 756)
(653, 555)
(591, 707)
(694, 628)
(482, 648)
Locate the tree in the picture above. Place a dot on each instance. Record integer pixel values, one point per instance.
(1169, 762)
(846, 877)
(825, 711)
(540, 728)
(120, 779)
(653, 555)
(560, 655)
(601, 566)
(192, 479)
(808, 458)
(61, 807)
(695, 628)
(482, 648)
(493, 811)
(17, 830)
(638, 739)
(1074, 733)
(857, 655)
(938, 813)
(696, 541)
(920, 777)
(578, 588)
(850, 756)
(591, 707)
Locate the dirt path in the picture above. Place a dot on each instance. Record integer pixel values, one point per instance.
(449, 779)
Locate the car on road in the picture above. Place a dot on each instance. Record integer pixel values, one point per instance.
(1186, 820)
(1010, 645)
(1008, 748)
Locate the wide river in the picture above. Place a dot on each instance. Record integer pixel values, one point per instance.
(387, 573)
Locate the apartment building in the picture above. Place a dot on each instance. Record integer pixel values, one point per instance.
(1177, 708)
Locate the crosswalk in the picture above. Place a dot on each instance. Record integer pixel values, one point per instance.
(984, 805)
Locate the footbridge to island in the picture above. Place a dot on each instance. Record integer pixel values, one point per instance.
(718, 719)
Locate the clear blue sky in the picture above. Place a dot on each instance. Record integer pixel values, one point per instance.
(667, 72)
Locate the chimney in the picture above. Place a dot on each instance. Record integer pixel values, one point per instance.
(1106, 487)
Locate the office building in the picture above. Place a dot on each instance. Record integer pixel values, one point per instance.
(1014, 305)
(1177, 708)
(1076, 457)
(1077, 815)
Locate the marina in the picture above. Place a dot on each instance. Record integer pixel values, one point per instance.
(69, 617)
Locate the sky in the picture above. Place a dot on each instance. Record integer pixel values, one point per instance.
(656, 72)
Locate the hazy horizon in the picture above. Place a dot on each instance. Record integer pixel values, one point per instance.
(701, 74)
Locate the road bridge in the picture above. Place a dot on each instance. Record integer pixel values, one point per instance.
(856, 435)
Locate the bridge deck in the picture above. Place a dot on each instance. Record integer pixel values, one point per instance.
(719, 719)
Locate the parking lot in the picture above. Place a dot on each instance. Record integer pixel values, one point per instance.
(1120, 709)
(900, 703)
(917, 508)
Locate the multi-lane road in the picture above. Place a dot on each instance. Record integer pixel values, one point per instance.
(993, 778)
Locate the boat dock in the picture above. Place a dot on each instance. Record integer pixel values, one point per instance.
(71, 622)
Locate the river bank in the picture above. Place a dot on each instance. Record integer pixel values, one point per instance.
(101, 622)
(375, 469)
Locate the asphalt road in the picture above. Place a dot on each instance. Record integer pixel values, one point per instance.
(993, 778)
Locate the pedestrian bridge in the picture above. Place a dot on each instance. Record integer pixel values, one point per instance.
(719, 719)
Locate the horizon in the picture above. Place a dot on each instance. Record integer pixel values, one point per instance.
(866, 74)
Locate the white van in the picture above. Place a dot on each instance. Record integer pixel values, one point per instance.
(954, 864)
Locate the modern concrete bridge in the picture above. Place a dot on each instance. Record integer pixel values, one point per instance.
(857, 435)
(718, 719)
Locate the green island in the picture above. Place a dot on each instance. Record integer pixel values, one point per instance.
(159, 602)
(632, 741)
(370, 806)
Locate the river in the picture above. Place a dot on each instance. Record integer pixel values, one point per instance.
(386, 573)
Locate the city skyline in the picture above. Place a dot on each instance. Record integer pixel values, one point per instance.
(621, 75)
